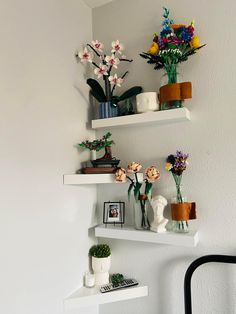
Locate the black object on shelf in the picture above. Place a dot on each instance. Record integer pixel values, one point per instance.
(228, 259)
(105, 162)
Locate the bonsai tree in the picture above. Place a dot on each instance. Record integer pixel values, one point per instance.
(104, 143)
(100, 251)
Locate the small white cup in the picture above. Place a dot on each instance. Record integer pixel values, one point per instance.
(89, 280)
(147, 102)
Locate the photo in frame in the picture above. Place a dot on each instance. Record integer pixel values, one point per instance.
(114, 213)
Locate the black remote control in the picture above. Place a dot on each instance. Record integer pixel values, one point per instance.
(124, 284)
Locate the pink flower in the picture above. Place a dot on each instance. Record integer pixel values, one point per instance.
(102, 70)
(112, 60)
(97, 45)
(115, 80)
(117, 47)
(85, 55)
(134, 167)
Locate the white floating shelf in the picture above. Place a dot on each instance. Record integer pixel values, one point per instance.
(189, 239)
(88, 297)
(152, 117)
(74, 179)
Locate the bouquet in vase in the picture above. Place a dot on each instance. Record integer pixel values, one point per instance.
(152, 174)
(174, 44)
(181, 210)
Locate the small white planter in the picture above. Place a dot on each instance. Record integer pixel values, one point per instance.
(101, 267)
(147, 102)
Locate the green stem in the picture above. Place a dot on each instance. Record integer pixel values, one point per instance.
(179, 197)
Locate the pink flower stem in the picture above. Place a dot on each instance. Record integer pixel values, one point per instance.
(95, 64)
(126, 60)
(94, 50)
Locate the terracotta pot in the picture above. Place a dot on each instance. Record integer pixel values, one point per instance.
(183, 211)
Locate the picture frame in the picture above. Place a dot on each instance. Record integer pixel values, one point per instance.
(114, 213)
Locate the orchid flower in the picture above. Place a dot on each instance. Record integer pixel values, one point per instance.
(112, 61)
(101, 70)
(85, 55)
(115, 80)
(97, 45)
(117, 47)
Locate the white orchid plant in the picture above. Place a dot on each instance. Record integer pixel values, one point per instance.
(103, 68)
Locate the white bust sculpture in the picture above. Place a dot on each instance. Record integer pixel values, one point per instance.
(159, 222)
(147, 102)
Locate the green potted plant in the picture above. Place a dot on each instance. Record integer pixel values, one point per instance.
(101, 263)
(104, 64)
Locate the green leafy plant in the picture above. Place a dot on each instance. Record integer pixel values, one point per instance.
(99, 144)
(100, 251)
(117, 278)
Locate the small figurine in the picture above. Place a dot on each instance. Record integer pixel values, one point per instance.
(158, 204)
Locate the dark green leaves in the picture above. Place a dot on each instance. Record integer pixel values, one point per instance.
(96, 90)
(137, 190)
(148, 189)
(98, 93)
(130, 93)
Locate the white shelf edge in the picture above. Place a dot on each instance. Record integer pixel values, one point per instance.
(189, 239)
(104, 178)
(157, 117)
(88, 297)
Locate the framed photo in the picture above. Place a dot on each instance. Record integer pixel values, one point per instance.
(114, 213)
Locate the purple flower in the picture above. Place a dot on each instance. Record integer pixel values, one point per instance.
(178, 162)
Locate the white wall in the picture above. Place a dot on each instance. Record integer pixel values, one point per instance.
(43, 112)
(209, 138)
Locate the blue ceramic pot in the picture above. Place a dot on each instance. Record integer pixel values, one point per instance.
(107, 110)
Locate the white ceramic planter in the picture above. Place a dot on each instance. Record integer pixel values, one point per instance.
(147, 102)
(101, 267)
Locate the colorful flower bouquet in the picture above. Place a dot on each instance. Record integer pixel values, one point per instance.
(103, 67)
(181, 210)
(174, 45)
(152, 174)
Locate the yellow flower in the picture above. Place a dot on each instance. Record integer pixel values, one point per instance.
(154, 49)
(195, 42)
(168, 166)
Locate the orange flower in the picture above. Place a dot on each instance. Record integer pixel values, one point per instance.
(120, 175)
(152, 174)
(134, 167)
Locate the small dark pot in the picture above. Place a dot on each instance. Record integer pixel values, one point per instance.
(107, 110)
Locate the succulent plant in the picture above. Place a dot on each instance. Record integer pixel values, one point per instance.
(100, 251)
(117, 278)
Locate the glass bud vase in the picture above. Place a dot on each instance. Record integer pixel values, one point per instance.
(180, 226)
(171, 76)
(179, 202)
(141, 221)
(179, 207)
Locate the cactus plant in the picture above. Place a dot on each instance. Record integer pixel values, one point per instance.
(100, 251)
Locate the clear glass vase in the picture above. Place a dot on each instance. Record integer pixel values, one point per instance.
(171, 76)
(141, 221)
(181, 226)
